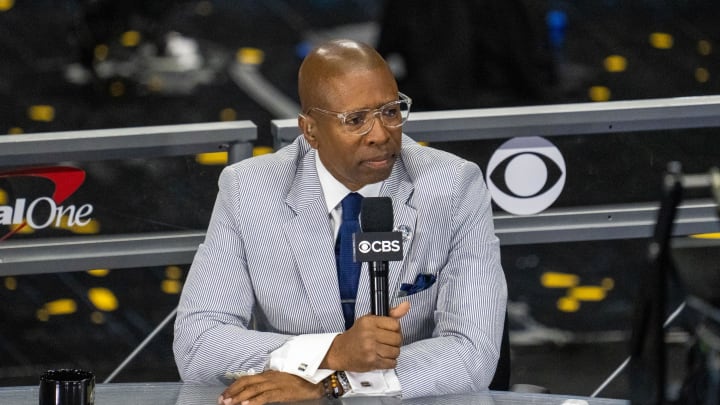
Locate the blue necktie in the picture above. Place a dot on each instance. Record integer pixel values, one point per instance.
(348, 270)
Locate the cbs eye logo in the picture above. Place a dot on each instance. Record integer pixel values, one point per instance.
(364, 246)
(526, 175)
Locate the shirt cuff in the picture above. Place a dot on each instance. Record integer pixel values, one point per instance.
(373, 383)
(302, 355)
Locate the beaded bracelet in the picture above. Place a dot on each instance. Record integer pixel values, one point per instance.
(332, 386)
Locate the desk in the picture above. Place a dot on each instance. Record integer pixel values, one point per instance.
(189, 394)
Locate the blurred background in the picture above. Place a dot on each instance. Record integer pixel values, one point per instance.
(95, 64)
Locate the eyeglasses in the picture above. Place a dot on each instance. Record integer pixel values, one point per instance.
(360, 122)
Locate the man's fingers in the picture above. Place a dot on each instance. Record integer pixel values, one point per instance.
(272, 386)
(245, 388)
(389, 338)
(400, 310)
(256, 396)
(388, 352)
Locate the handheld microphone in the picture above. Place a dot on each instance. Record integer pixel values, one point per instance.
(377, 245)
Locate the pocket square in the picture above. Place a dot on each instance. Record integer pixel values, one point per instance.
(422, 282)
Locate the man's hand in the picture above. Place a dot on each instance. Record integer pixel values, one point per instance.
(372, 343)
(269, 386)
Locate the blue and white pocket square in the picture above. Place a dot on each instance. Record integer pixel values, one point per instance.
(422, 282)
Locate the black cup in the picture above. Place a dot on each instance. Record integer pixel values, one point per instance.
(67, 387)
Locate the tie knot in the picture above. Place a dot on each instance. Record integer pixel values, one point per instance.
(351, 206)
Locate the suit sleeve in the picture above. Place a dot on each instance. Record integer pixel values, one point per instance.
(463, 351)
(212, 334)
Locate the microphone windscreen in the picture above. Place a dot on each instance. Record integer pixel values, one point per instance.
(376, 214)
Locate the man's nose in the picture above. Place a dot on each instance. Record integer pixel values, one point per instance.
(378, 132)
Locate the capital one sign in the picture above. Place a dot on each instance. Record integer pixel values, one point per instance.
(44, 212)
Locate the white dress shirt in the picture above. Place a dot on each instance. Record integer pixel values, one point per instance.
(302, 354)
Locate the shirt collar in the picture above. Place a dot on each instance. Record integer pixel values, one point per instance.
(334, 191)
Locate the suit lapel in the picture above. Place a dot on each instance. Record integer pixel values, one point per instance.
(310, 238)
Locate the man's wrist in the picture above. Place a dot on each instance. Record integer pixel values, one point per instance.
(329, 361)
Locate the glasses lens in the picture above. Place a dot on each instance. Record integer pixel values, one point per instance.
(357, 121)
(395, 114)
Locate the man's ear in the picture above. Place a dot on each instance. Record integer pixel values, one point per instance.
(307, 127)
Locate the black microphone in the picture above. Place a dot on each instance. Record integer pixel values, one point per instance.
(377, 245)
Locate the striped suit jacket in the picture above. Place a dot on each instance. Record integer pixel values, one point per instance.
(268, 261)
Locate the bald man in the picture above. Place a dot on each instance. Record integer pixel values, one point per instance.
(262, 309)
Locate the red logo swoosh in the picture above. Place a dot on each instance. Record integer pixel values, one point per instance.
(66, 180)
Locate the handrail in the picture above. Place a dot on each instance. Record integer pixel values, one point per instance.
(235, 137)
(18, 257)
(73, 253)
(548, 120)
(607, 222)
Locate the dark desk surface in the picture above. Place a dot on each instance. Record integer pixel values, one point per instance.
(188, 394)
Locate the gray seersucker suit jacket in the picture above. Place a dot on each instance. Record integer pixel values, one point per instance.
(268, 260)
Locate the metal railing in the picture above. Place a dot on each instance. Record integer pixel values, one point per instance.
(553, 225)
(549, 120)
(47, 255)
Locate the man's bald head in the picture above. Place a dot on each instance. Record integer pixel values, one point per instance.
(330, 60)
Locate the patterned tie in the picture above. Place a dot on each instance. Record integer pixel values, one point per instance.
(348, 270)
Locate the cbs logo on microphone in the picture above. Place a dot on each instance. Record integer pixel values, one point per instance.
(377, 246)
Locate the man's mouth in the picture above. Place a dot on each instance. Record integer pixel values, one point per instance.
(380, 161)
